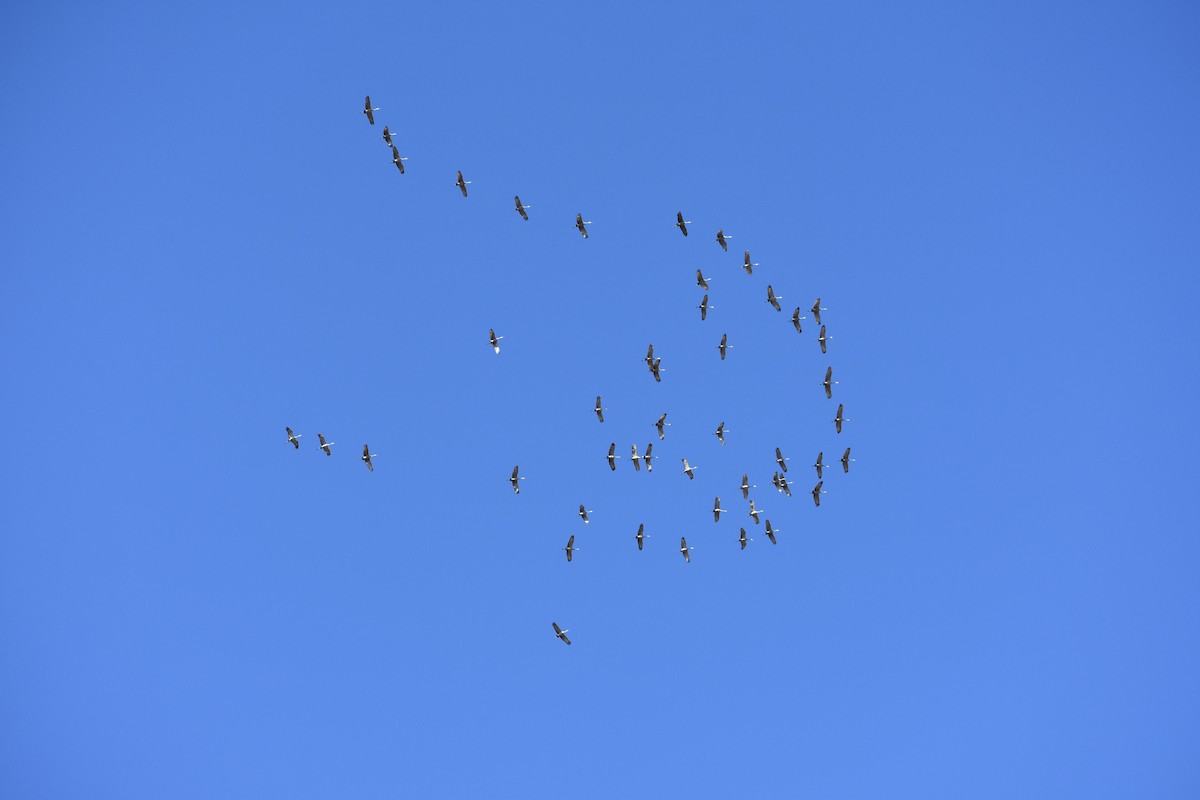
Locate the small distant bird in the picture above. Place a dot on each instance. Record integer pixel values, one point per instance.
(656, 370)
(704, 307)
(461, 184)
(683, 548)
(662, 423)
(515, 479)
(796, 320)
(770, 532)
(612, 456)
(650, 357)
(717, 509)
(640, 535)
(817, 309)
(560, 633)
(570, 548)
(746, 486)
(583, 513)
(817, 492)
(819, 464)
(701, 281)
(839, 419)
(635, 458)
(720, 433)
(367, 456)
(749, 265)
(721, 239)
(742, 539)
(828, 383)
(293, 438)
(775, 480)
(785, 485)
(369, 111)
(521, 208)
(387, 136)
(754, 512)
(324, 444)
(398, 160)
(495, 340)
(822, 338)
(780, 460)
(582, 225)
(723, 346)
(599, 409)
(681, 223)
(687, 470)
(647, 457)
(772, 298)
(846, 459)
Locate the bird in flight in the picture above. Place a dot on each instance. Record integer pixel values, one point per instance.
(398, 159)
(683, 548)
(828, 382)
(746, 486)
(754, 512)
(780, 460)
(822, 338)
(662, 423)
(324, 444)
(839, 419)
(701, 281)
(656, 370)
(846, 459)
(612, 456)
(582, 225)
(819, 464)
(704, 307)
(749, 265)
(599, 409)
(387, 136)
(687, 470)
(367, 456)
(583, 513)
(293, 438)
(742, 539)
(495, 340)
(817, 492)
(817, 309)
(640, 535)
(773, 298)
(369, 111)
(521, 208)
(717, 509)
(721, 239)
(515, 479)
(720, 433)
(681, 223)
(461, 184)
(635, 458)
(723, 346)
(770, 532)
(570, 548)
(560, 633)
(647, 457)
(796, 320)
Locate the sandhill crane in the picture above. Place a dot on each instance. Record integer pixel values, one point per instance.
(796, 320)
(293, 438)
(749, 265)
(747, 486)
(773, 298)
(662, 423)
(771, 532)
(822, 338)
(369, 111)
(516, 479)
(687, 470)
(387, 135)
(656, 370)
(846, 459)
(494, 339)
(582, 224)
(570, 548)
(635, 458)
(817, 309)
(641, 535)
(820, 465)
(828, 383)
(647, 457)
(780, 460)
(817, 492)
(754, 512)
(742, 538)
(720, 433)
(461, 184)
(612, 456)
(324, 444)
(785, 485)
(583, 513)
(721, 239)
(650, 357)
(367, 456)
(681, 223)
(683, 548)
(701, 281)
(521, 208)
(723, 346)
(839, 419)
(398, 160)
(717, 509)
(599, 409)
(704, 307)
(560, 633)
(775, 480)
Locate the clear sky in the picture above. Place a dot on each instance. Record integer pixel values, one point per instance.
(203, 240)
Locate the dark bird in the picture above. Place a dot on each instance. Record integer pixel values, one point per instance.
(839, 419)
(635, 458)
(494, 340)
(662, 423)
(640, 535)
(720, 433)
(846, 459)
(387, 136)
(681, 223)
(461, 184)
(721, 239)
(773, 299)
(785, 485)
(822, 338)
(828, 382)
(398, 160)
(521, 208)
(599, 409)
(515, 480)
(560, 633)
(754, 512)
(723, 346)
(324, 444)
(742, 539)
(820, 464)
(570, 548)
(817, 492)
(704, 307)
(656, 370)
(647, 457)
(701, 281)
(775, 480)
(749, 265)
(583, 513)
(369, 111)
(770, 532)
(817, 309)
(293, 438)
(579, 223)
(367, 456)
(683, 548)
(717, 509)
(612, 456)
(687, 470)
(796, 320)
(746, 486)
(650, 356)
(780, 460)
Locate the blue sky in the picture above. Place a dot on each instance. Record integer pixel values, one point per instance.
(204, 241)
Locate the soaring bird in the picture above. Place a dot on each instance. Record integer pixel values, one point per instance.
(754, 512)
(599, 409)
(723, 346)
(583, 513)
(647, 457)
(772, 298)
(839, 419)
(683, 548)
(387, 136)
(494, 339)
(521, 208)
(704, 307)
(560, 633)
(367, 456)
(720, 433)
(742, 538)
(780, 460)
(701, 281)
(582, 225)
(770, 532)
(612, 456)
(570, 548)
(785, 485)
(687, 470)
(293, 438)
(324, 444)
(461, 184)
(749, 265)
(398, 160)
(717, 509)
(846, 459)
(817, 309)
(635, 458)
(828, 382)
(681, 223)
(650, 357)
(656, 370)
(640, 535)
(796, 320)
(775, 480)
(817, 492)
(746, 486)
(662, 423)
(721, 238)
(369, 111)
(822, 338)
(820, 465)
(515, 479)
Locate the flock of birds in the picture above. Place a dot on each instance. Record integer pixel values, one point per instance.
(780, 480)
